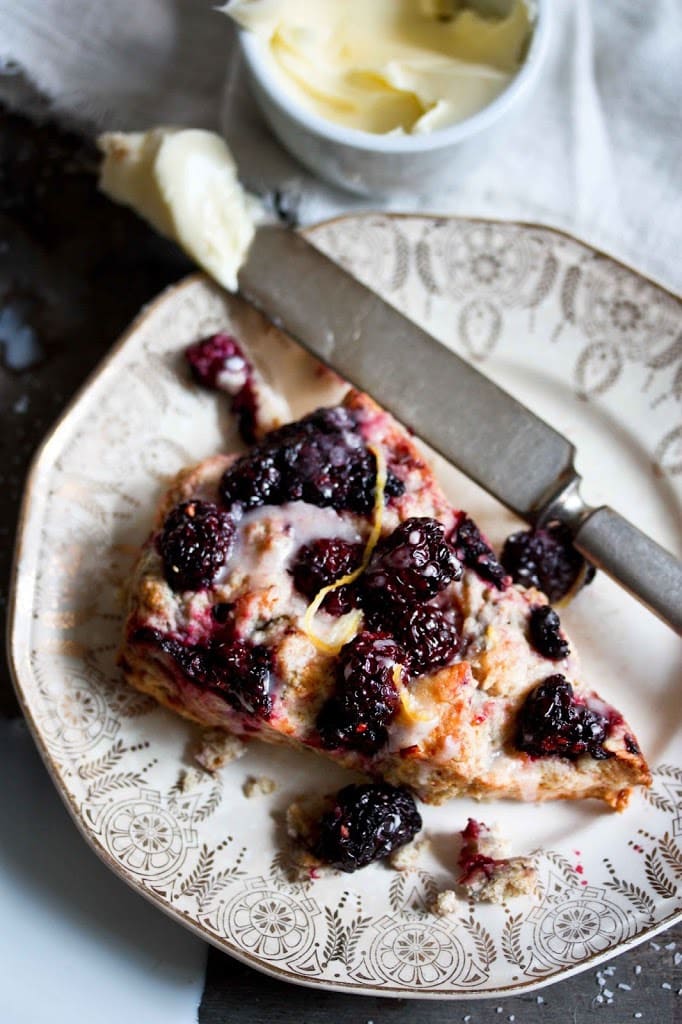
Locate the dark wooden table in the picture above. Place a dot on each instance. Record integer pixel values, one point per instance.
(74, 270)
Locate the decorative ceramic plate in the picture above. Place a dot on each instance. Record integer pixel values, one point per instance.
(589, 345)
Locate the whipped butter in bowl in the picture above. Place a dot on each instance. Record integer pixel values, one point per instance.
(374, 94)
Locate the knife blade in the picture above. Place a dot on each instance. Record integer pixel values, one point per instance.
(494, 439)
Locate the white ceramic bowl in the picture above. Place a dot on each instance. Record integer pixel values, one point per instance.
(383, 165)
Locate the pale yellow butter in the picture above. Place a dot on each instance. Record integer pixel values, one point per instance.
(184, 182)
(391, 65)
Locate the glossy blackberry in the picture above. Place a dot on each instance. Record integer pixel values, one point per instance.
(366, 695)
(429, 636)
(367, 823)
(552, 723)
(410, 566)
(320, 564)
(243, 675)
(544, 631)
(320, 459)
(195, 660)
(195, 544)
(474, 551)
(253, 480)
(239, 672)
(546, 559)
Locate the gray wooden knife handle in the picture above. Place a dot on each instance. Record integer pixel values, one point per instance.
(646, 570)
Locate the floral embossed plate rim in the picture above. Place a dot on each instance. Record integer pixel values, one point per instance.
(586, 342)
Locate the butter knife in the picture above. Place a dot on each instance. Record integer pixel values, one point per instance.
(473, 423)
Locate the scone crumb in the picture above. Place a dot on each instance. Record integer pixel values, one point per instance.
(189, 779)
(487, 874)
(515, 876)
(446, 903)
(491, 842)
(303, 816)
(258, 785)
(217, 748)
(406, 858)
(302, 821)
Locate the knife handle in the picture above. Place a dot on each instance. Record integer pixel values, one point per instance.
(646, 570)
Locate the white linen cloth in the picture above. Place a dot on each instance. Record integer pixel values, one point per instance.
(598, 152)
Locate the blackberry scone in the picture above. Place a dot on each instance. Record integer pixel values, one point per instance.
(321, 592)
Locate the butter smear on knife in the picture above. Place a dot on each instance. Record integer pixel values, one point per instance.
(184, 183)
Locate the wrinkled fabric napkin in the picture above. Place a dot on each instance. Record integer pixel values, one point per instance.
(598, 152)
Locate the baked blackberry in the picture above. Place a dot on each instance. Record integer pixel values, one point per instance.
(321, 459)
(366, 694)
(410, 566)
(552, 723)
(366, 823)
(195, 543)
(546, 559)
(239, 672)
(429, 637)
(544, 632)
(320, 564)
(474, 551)
(243, 674)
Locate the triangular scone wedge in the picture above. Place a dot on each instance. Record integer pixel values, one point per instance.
(454, 730)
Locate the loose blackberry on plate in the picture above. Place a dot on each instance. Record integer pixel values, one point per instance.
(364, 824)
(545, 558)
